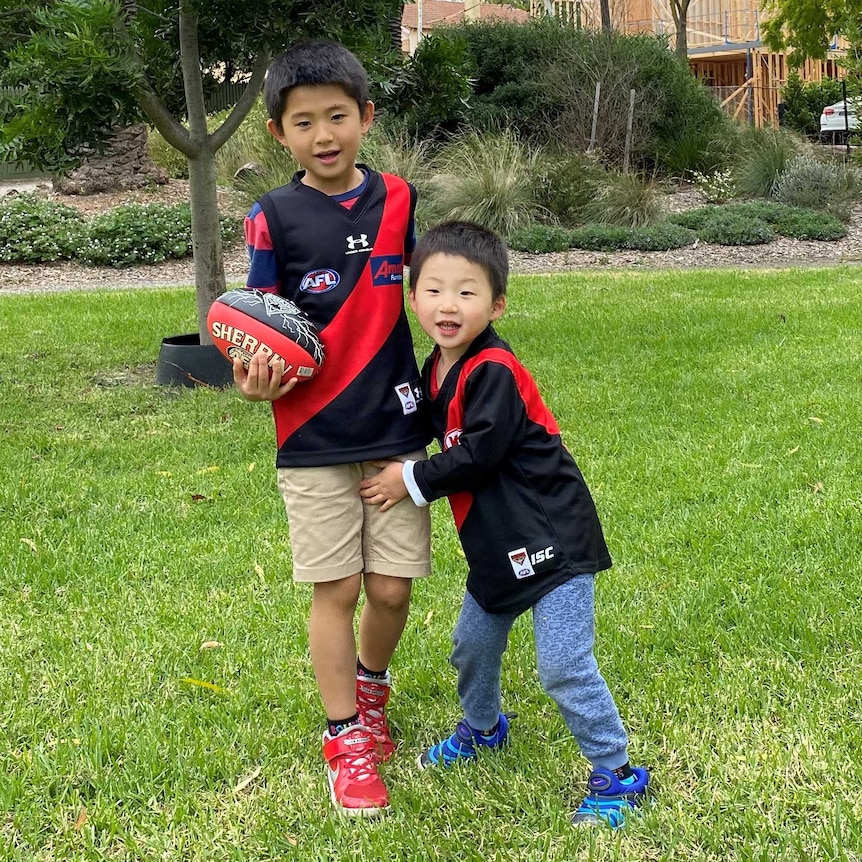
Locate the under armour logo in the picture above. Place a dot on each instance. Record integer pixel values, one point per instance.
(360, 241)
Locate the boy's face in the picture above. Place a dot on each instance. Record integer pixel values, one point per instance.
(322, 127)
(453, 301)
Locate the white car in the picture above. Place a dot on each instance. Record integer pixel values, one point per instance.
(834, 124)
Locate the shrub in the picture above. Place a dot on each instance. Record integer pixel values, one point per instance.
(716, 187)
(141, 233)
(599, 237)
(540, 239)
(567, 183)
(808, 182)
(428, 94)
(804, 101)
(810, 224)
(625, 200)
(764, 154)
(735, 229)
(34, 230)
(172, 161)
(539, 79)
(659, 237)
(489, 180)
(693, 219)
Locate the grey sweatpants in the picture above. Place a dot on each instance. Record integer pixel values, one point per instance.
(563, 626)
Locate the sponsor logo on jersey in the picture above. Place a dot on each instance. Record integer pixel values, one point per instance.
(406, 397)
(319, 281)
(523, 562)
(451, 438)
(357, 244)
(387, 269)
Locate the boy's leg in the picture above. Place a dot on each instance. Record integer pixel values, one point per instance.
(396, 548)
(479, 641)
(332, 644)
(564, 629)
(387, 602)
(384, 615)
(325, 514)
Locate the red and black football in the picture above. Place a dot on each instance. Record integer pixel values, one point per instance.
(243, 322)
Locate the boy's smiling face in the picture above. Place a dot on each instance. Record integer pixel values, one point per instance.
(453, 300)
(323, 128)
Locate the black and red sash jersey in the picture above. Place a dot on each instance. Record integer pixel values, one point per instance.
(345, 269)
(524, 514)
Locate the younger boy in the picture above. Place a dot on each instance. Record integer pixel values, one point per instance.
(525, 517)
(334, 241)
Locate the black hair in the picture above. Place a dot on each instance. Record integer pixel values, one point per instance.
(312, 63)
(468, 240)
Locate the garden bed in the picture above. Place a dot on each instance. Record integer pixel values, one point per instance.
(782, 252)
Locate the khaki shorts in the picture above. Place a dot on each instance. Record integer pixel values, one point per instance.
(334, 534)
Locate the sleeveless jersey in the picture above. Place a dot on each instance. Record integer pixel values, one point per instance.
(524, 514)
(345, 269)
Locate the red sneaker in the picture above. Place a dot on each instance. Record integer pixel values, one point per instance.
(371, 698)
(356, 788)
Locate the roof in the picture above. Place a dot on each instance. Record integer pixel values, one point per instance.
(435, 12)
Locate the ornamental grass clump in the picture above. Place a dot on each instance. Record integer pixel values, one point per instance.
(488, 179)
(625, 200)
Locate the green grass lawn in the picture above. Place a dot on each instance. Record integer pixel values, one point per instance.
(716, 416)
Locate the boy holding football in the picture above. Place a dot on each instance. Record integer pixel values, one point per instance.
(335, 241)
(525, 517)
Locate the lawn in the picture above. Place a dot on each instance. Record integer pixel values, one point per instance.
(157, 697)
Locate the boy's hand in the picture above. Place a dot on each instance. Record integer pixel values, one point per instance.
(386, 488)
(257, 384)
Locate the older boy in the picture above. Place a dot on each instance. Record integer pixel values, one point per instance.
(527, 522)
(334, 241)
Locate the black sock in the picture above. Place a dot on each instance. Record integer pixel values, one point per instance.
(623, 772)
(371, 674)
(334, 727)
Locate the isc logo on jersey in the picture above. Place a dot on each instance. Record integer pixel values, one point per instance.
(387, 269)
(523, 563)
(319, 281)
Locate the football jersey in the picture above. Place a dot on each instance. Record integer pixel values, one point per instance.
(345, 269)
(524, 514)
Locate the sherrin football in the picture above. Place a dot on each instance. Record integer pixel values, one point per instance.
(243, 322)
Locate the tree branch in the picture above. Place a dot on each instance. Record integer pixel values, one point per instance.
(240, 111)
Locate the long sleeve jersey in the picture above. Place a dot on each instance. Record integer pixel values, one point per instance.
(524, 514)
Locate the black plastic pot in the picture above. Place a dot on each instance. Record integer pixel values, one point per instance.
(184, 361)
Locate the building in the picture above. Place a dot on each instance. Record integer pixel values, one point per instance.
(725, 49)
(437, 13)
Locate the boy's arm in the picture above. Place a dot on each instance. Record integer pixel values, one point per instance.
(263, 269)
(257, 383)
(495, 419)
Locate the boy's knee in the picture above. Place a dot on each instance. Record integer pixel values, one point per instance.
(387, 593)
(342, 594)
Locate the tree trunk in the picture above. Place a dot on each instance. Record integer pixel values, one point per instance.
(679, 11)
(206, 237)
(124, 164)
(605, 6)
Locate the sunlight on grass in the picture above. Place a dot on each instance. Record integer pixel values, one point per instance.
(158, 701)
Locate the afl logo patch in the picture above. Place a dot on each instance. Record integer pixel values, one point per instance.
(319, 281)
